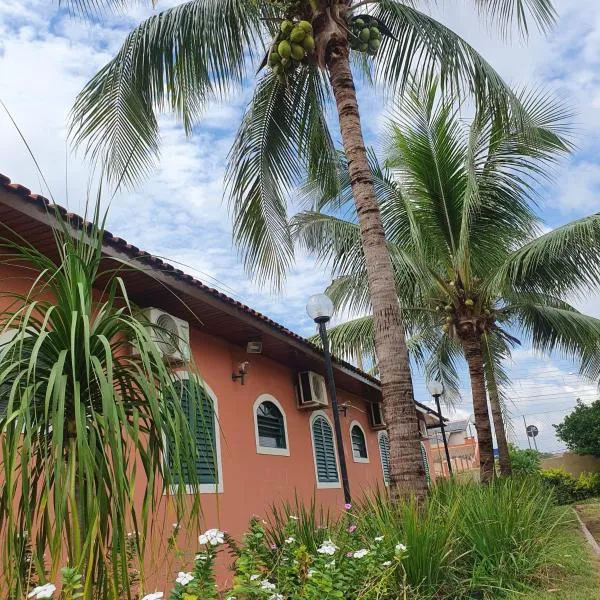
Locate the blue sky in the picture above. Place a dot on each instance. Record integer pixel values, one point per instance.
(46, 57)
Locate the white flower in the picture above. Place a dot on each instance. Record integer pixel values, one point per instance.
(230, 598)
(379, 538)
(293, 517)
(331, 564)
(290, 540)
(42, 591)
(387, 563)
(254, 577)
(201, 556)
(360, 553)
(214, 537)
(153, 596)
(265, 584)
(276, 597)
(310, 573)
(184, 578)
(400, 548)
(327, 547)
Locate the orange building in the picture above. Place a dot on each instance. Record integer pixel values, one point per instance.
(273, 429)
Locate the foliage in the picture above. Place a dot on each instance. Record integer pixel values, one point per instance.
(580, 429)
(82, 420)
(467, 541)
(525, 461)
(174, 61)
(569, 489)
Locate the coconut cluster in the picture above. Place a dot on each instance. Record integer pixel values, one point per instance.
(365, 35)
(293, 45)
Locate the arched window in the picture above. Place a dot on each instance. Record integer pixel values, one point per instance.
(270, 426)
(384, 453)
(201, 414)
(324, 452)
(359, 443)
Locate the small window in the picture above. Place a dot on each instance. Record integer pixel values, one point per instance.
(384, 453)
(324, 452)
(201, 416)
(270, 425)
(359, 443)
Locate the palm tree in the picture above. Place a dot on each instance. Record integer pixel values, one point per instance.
(201, 50)
(464, 241)
(82, 420)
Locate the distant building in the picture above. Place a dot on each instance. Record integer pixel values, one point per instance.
(462, 446)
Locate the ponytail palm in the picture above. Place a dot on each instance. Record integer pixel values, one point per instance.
(464, 240)
(202, 50)
(83, 422)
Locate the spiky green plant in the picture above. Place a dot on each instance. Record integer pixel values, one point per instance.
(83, 419)
(458, 208)
(202, 50)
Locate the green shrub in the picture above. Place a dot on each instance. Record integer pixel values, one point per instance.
(588, 485)
(525, 462)
(568, 489)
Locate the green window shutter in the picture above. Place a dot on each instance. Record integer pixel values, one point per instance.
(425, 463)
(271, 428)
(324, 451)
(359, 444)
(384, 453)
(201, 418)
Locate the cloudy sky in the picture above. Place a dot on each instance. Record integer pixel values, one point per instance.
(46, 57)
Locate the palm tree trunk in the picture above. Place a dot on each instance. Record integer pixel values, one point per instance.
(407, 474)
(473, 355)
(499, 430)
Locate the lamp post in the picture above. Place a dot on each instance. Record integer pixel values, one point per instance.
(320, 308)
(436, 389)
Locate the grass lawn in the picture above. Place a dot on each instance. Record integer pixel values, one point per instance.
(576, 578)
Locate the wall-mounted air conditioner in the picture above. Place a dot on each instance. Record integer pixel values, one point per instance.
(312, 391)
(171, 334)
(376, 416)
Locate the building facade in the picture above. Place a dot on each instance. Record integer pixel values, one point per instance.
(270, 436)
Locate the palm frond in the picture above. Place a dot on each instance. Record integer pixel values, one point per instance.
(506, 14)
(176, 60)
(563, 261)
(283, 133)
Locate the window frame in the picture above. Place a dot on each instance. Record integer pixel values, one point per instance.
(328, 485)
(359, 459)
(265, 449)
(380, 435)
(204, 488)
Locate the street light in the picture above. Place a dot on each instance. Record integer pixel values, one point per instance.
(320, 309)
(436, 389)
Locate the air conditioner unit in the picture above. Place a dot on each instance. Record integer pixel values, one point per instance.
(312, 391)
(376, 416)
(171, 334)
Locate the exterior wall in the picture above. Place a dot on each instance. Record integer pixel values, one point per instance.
(573, 463)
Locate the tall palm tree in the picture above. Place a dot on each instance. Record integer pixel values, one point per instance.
(464, 241)
(82, 419)
(201, 50)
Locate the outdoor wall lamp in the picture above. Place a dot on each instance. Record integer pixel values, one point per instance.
(242, 371)
(320, 309)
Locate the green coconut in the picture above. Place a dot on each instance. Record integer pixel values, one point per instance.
(375, 33)
(297, 35)
(359, 23)
(306, 26)
(274, 58)
(363, 47)
(298, 52)
(286, 27)
(308, 43)
(374, 45)
(365, 34)
(284, 49)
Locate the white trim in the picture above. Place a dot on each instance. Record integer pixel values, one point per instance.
(326, 485)
(359, 459)
(206, 488)
(380, 434)
(264, 449)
